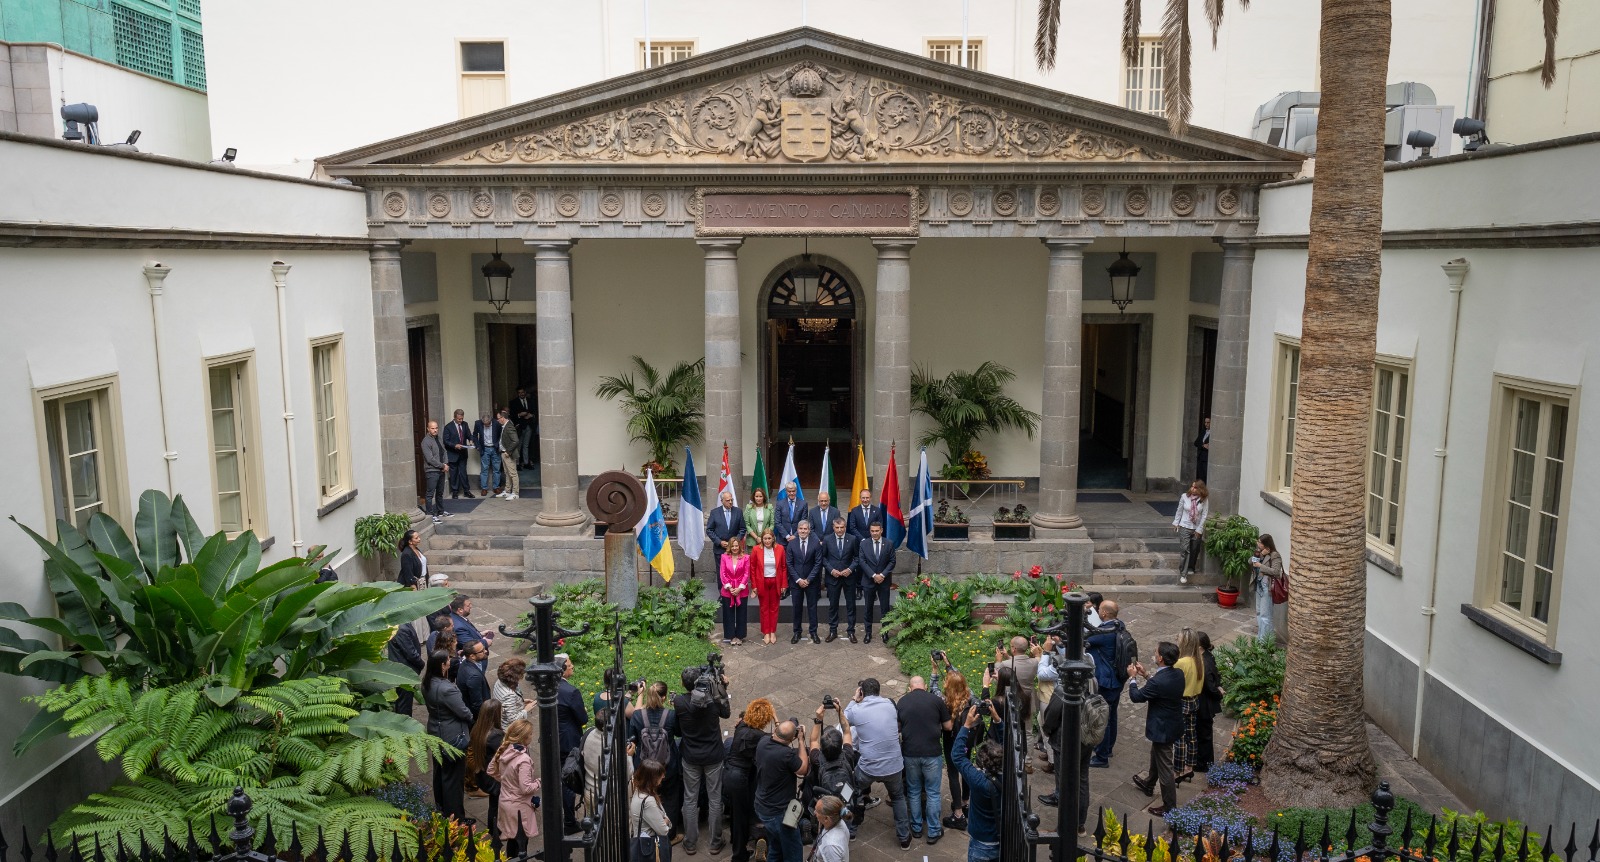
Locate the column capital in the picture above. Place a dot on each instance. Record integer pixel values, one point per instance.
(726, 247)
(386, 250)
(552, 248)
(1066, 246)
(1237, 247)
(894, 246)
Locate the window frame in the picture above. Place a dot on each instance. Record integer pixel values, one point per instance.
(1404, 367)
(1281, 446)
(111, 445)
(975, 51)
(247, 429)
(327, 492)
(641, 60)
(1497, 478)
(463, 76)
(1157, 43)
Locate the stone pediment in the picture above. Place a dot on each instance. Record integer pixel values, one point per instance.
(811, 112)
(798, 98)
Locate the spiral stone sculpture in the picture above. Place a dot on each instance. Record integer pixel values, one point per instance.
(616, 498)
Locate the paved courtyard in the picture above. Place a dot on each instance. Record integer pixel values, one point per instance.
(795, 677)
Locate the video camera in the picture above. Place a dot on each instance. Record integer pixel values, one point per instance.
(708, 685)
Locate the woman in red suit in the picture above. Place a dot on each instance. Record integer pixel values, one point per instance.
(769, 570)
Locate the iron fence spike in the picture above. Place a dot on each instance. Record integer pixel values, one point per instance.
(1249, 840)
(50, 846)
(77, 852)
(1499, 851)
(27, 848)
(321, 850)
(294, 840)
(1198, 852)
(1222, 851)
(394, 848)
(216, 837)
(1477, 843)
(1326, 843)
(269, 841)
(1406, 832)
(1572, 841)
(3, 845)
(1431, 840)
(1100, 829)
(1548, 853)
(1123, 842)
(122, 849)
(98, 855)
(345, 853)
(1522, 847)
(1594, 843)
(192, 848)
(1350, 834)
(1300, 842)
(1274, 849)
(1453, 846)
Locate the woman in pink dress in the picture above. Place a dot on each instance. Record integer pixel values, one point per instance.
(519, 787)
(735, 577)
(770, 571)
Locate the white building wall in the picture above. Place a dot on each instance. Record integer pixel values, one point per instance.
(1524, 313)
(1521, 108)
(401, 74)
(79, 313)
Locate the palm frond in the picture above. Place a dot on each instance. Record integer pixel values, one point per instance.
(1552, 14)
(1047, 35)
(1214, 9)
(1175, 47)
(1132, 23)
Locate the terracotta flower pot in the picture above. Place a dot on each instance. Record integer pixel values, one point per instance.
(1227, 597)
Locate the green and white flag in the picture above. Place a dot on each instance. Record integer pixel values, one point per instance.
(759, 480)
(825, 482)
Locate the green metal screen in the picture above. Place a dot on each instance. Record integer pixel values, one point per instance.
(161, 38)
(194, 59)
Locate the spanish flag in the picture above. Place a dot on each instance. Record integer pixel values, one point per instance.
(651, 531)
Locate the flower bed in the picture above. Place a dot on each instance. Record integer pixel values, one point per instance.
(1253, 732)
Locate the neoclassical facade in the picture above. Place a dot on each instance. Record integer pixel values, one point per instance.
(954, 217)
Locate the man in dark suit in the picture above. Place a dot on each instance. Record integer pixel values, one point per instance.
(788, 514)
(472, 677)
(1163, 723)
(804, 559)
(1202, 450)
(821, 516)
(466, 632)
(524, 414)
(722, 524)
(571, 716)
(875, 569)
(457, 442)
(862, 517)
(839, 552)
(405, 648)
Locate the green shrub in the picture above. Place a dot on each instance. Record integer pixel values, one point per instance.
(969, 650)
(1232, 542)
(1288, 822)
(380, 534)
(1466, 827)
(928, 608)
(1251, 671)
(658, 659)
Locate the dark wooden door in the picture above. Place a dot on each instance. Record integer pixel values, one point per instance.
(416, 347)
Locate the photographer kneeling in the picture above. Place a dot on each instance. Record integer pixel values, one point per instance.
(700, 710)
(982, 774)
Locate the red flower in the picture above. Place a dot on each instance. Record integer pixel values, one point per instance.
(1050, 607)
(561, 642)
(911, 595)
(1036, 571)
(1064, 591)
(1035, 608)
(954, 596)
(1016, 576)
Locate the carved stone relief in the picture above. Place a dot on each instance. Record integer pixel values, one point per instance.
(809, 112)
(1227, 202)
(1049, 204)
(439, 205)
(1136, 202)
(1182, 201)
(1005, 204)
(1094, 201)
(394, 205)
(654, 205)
(526, 204)
(482, 203)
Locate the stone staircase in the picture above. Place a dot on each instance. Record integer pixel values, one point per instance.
(1138, 562)
(483, 556)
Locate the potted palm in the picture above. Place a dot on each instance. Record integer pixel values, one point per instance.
(949, 522)
(1013, 525)
(964, 406)
(1231, 542)
(379, 536)
(664, 411)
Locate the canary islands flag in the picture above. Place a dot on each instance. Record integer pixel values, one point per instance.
(651, 531)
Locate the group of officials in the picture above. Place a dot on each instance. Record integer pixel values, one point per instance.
(847, 553)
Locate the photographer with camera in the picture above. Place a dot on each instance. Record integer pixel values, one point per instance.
(982, 774)
(739, 775)
(877, 727)
(778, 763)
(833, 758)
(700, 710)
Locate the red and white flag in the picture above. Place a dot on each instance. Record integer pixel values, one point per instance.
(725, 481)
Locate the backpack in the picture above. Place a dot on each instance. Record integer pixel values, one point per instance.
(572, 769)
(1127, 652)
(654, 741)
(1093, 717)
(834, 775)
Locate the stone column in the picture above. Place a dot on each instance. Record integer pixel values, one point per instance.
(396, 428)
(1227, 388)
(558, 401)
(1063, 378)
(724, 388)
(891, 364)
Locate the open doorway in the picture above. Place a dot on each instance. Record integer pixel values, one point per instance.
(1202, 367)
(508, 360)
(1110, 377)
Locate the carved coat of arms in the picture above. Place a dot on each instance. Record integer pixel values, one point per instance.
(805, 133)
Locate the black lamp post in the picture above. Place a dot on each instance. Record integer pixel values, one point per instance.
(497, 277)
(1124, 275)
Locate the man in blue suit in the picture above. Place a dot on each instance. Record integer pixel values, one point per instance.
(1163, 723)
(821, 516)
(804, 556)
(875, 569)
(722, 524)
(466, 632)
(457, 438)
(788, 515)
(863, 517)
(839, 552)
(571, 717)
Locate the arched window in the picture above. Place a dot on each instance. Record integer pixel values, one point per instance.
(832, 299)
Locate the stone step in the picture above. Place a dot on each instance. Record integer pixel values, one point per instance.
(1124, 594)
(1134, 560)
(1128, 577)
(458, 526)
(1134, 545)
(499, 589)
(474, 558)
(469, 542)
(463, 573)
(1137, 530)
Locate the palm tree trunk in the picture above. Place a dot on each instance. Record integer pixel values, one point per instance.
(1319, 754)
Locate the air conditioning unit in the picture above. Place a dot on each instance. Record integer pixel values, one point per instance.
(1289, 121)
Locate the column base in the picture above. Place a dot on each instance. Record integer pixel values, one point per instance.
(1069, 521)
(560, 519)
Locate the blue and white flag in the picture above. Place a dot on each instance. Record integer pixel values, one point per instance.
(651, 531)
(691, 518)
(790, 475)
(919, 527)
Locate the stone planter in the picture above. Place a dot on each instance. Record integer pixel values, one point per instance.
(1013, 532)
(672, 529)
(950, 532)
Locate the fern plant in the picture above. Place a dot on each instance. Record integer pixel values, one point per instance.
(380, 534)
(1231, 542)
(929, 608)
(304, 754)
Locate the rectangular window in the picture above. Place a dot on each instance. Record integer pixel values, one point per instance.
(1529, 498)
(333, 459)
(1141, 81)
(1391, 399)
(236, 466)
(483, 77)
(1287, 398)
(661, 52)
(79, 429)
(949, 51)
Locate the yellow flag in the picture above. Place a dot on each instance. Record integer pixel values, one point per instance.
(861, 480)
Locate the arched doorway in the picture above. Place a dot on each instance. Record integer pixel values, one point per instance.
(811, 367)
